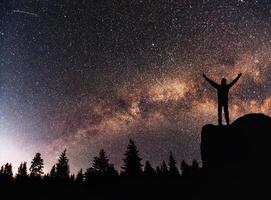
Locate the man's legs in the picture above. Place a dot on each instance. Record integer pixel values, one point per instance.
(226, 112)
(219, 110)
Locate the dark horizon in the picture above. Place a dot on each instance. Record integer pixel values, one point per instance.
(87, 75)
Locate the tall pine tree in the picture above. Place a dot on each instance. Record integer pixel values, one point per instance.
(101, 163)
(101, 168)
(37, 165)
(62, 167)
(22, 172)
(173, 170)
(6, 173)
(164, 169)
(132, 162)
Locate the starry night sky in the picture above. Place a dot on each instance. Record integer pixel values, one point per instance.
(90, 74)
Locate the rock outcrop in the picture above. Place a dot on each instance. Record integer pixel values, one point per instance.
(243, 144)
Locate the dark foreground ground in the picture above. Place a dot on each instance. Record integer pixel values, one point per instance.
(200, 187)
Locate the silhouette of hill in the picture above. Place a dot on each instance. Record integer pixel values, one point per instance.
(244, 144)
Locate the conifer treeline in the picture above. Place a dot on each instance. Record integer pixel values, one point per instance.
(101, 169)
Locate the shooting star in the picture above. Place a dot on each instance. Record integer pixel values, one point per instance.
(25, 12)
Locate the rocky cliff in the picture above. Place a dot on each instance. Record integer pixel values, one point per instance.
(243, 144)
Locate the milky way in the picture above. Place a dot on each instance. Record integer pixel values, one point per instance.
(86, 75)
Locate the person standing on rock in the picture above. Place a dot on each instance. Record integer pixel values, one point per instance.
(222, 94)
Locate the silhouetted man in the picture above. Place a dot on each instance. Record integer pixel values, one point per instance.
(222, 94)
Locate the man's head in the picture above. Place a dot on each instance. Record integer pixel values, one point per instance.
(223, 81)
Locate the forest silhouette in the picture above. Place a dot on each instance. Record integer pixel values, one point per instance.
(100, 170)
(229, 170)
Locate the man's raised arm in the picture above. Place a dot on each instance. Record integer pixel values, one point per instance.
(210, 81)
(235, 80)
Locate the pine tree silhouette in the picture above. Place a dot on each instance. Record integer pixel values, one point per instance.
(101, 163)
(22, 172)
(6, 173)
(132, 162)
(164, 169)
(36, 168)
(2, 170)
(79, 177)
(8, 170)
(173, 170)
(62, 167)
(148, 170)
(101, 168)
(2, 175)
(52, 173)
